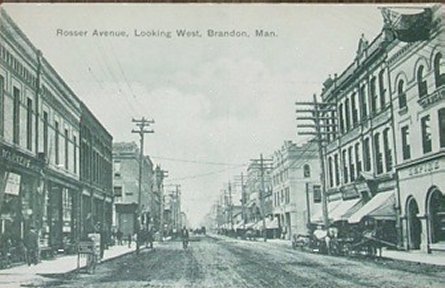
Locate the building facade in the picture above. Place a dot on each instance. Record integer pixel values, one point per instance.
(417, 75)
(126, 159)
(40, 134)
(295, 171)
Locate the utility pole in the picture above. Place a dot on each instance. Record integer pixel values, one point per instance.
(262, 195)
(230, 206)
(240, 181)
(142, 124)
(163, 175)
(320, 128)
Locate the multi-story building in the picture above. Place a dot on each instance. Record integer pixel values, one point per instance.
(384, 160)
(296, 169)
(417, 75)
(158, 197)
(258, 193)
(40, 138)
(126, 159)
(96, 201)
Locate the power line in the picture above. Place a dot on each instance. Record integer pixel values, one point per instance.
(198, 162)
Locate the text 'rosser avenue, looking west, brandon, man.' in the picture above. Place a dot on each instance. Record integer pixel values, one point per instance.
(167, 34)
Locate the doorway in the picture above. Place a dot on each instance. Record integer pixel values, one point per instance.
(414, 225)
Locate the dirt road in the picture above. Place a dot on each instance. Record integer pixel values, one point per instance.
(216, 262)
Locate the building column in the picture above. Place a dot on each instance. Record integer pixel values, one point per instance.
(424, 245)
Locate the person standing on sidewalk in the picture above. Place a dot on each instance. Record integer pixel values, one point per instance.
(32, 246)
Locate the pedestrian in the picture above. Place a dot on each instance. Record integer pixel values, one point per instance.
(185, 237)
(119, 236)
(129, 240)
(31, 245)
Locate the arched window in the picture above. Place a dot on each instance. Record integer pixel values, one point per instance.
(439, 70)
(401, 93)
(421, 83)
(306, 171)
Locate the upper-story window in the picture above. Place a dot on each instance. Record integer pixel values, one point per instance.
(29, 124)
(358, 163)
(378, 154)
(16, 116)
(331, 179)
(334, 125)
(354, 110)
(342, 124)
(426, 134)
(401, 93)
(56, 142)
(351, 164)
(439, 70)
(336, 170)
(347, 115)
(306, 171)
(382, 89)
(421, 82)
(366, 154)
(373, 95)
(345, 167)
(406, 147)
(363, 101)
(387, 149)
(2, 96)
(441, 115)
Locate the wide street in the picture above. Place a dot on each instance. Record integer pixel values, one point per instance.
(225, 262)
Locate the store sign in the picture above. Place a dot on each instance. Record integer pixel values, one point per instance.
(13, 184)
(424, 168)
(23, 160)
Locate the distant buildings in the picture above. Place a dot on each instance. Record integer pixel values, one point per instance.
(296, 170)
(126, 159)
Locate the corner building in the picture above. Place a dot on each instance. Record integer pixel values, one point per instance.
(417, 72)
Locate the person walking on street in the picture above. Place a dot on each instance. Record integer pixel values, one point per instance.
(32, 246)
(119, 236)
(185, 237)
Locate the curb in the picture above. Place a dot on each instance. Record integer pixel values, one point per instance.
(99, 263)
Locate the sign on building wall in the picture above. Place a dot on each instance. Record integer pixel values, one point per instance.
(13, 184)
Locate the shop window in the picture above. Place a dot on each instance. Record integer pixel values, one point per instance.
(306, 171)
(406, 148)
(426, 134)
(441, 115)
(439, 70)
(16, 116)
(421, 82)
(378, 153)
(401, 93)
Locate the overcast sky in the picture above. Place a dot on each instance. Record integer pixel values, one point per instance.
(215, 100)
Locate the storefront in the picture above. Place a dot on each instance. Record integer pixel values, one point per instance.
(422, 201)
(21, 199)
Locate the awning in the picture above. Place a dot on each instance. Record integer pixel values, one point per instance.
(272, 224)
(381, 206)
(337, 214)
(318, 216)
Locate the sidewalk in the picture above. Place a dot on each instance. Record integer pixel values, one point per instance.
(23, 274)
(436, 258)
